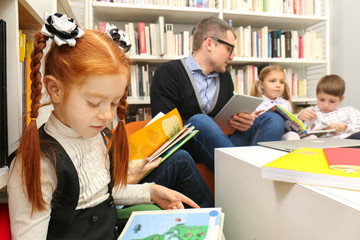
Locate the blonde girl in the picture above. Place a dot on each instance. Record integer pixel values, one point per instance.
(273, 88)
(67, 175)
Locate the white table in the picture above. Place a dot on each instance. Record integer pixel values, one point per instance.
(256, 208)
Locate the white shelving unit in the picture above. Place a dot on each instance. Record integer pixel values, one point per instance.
(312, 70)
(24, 15)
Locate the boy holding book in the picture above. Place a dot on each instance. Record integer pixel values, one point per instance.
(327, 115)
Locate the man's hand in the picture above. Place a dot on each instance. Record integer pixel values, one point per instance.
(242, 121)
(142, 167)
(307, 115)
(169, 199)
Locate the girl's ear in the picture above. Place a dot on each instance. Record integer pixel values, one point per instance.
(260, 85)
(54, 88)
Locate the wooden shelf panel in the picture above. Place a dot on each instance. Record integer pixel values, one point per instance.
(28, 18)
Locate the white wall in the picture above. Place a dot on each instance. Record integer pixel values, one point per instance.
(345, 47)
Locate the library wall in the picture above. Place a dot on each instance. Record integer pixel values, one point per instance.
(345, 48)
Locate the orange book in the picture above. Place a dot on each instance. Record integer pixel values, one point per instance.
(160, 138)
(29, 49)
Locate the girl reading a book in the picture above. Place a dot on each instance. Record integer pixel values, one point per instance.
(273, 88)
(67, 175)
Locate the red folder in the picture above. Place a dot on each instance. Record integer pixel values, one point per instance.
(343, 158)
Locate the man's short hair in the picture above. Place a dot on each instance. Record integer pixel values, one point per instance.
(331, 84)
(210, 27)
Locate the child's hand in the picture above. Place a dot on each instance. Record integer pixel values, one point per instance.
(337, 126)
(139, 171)
(242, 121)
(169, 199)
(257, 113)
(307, 115)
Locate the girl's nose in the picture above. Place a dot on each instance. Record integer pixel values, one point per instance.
(105, 114)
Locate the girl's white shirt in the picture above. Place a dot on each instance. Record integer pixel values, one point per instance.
(269, 103)
(91, 161)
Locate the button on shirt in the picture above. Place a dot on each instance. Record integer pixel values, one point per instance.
(205, 84)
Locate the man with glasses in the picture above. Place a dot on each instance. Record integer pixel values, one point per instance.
(199, 86)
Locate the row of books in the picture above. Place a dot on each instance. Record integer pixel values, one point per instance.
(263, 43)
(170, 3)
(156, 39)
(141, 76)
(297, 7)
(138, 114)
(245, 76)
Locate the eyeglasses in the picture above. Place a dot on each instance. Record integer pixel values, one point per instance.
(226, 43)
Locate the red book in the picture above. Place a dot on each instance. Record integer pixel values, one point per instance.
(301, 48)
(102, 27)
(142, 39)
(343, 158)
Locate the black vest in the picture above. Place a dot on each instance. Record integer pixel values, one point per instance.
(97, 223)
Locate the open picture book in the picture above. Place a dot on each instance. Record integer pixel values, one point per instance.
(195, 223)
(294, 124)
(160, 138)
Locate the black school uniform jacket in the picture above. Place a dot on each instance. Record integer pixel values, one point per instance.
(97, 223)
(173, 87)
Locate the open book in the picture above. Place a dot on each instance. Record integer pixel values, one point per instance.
(196, 223)
(293, 124)
(162, 137)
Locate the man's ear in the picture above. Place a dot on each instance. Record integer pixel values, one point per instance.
(54, 88)
(208, 44)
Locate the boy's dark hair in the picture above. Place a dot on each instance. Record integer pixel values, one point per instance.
(331, 84)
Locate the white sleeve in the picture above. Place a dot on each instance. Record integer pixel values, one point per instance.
(26, 225)
(353, 124)
(132, 194)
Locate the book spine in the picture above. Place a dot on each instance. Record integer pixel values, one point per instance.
(142, 38)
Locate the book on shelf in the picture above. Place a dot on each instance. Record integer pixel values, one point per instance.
(3, 97)
(309, 166)
(292, 123)
(347, 159)
(160, 138)
(142, 38)
(195, 223)
(160, 22)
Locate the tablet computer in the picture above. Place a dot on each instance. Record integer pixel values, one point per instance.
(238, 103)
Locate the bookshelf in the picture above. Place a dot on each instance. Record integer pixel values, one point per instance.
(23, 15)
(187, 17)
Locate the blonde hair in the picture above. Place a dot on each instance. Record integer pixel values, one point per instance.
(255, 89)
(94, 54)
